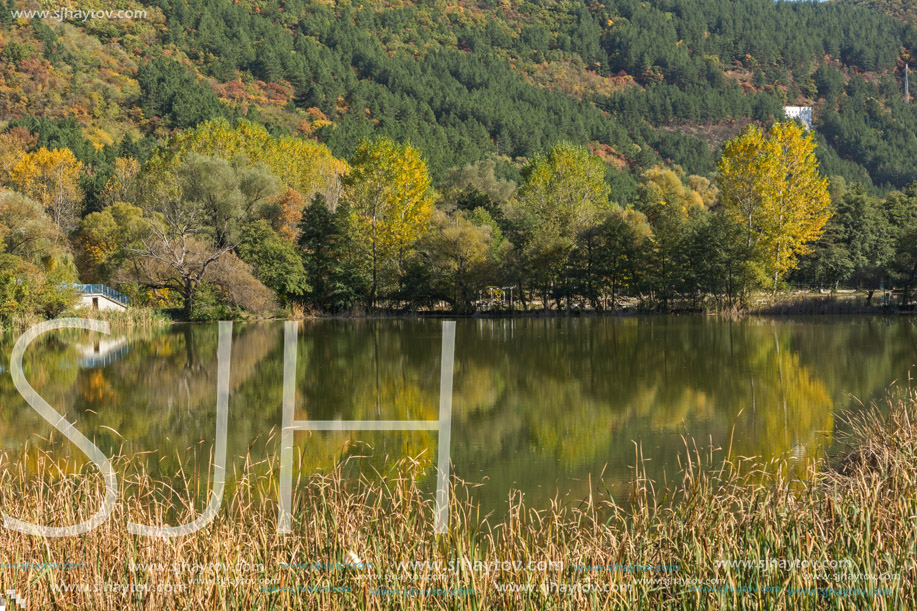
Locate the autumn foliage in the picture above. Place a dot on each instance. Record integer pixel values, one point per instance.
(771, 185)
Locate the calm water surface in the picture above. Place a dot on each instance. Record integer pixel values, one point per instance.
(539, 405)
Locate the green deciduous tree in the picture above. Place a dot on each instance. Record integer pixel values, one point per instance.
(276, 261)
(107, 241)
(476, 186)
(624, 237)
(194, 217)
(564, 193)
(25, 230)
(27, 289)
(672, 208)
(458, 253)
(303, 165)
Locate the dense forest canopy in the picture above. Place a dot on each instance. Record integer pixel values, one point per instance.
(640, 82)
(900, 9)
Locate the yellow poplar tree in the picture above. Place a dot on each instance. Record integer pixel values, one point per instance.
(391, 200)
(772, 186)
(52, 179)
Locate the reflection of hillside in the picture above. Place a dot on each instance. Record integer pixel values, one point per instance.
(535, 401)
(180, 367)
(561, 390)
(592, 377)
(582, 391)
(161, 395)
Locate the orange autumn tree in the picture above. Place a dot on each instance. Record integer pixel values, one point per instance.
(290, 206)
(771, 185)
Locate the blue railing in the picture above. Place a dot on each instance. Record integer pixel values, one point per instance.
(101, 289)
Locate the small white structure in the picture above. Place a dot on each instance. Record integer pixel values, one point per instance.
(100, 302)
(101, 297)
(102, 352)
(803, 113)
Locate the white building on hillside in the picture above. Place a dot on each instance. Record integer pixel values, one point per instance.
(803, 113)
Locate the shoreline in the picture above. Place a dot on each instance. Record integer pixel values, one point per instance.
(805, 306)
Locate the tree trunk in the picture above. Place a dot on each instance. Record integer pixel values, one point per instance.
(372, 292)
(776, 267)
(906, 293)
(189, 297)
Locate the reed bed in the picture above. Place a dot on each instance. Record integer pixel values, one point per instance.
(824, 305)
(131, 317)
(730, 533)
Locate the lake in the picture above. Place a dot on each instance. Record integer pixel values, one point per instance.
(539, 405)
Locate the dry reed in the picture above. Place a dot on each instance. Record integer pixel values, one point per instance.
(731, 533)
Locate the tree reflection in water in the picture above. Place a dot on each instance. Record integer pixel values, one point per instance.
(538, 404)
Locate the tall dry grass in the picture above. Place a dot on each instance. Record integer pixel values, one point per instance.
(131, 317)
(857, 515)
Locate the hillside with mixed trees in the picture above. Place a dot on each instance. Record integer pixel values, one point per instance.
(899, 9)
(640, 82)
(108, 127)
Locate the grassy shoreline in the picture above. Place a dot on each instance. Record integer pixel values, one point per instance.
(789, 304)
(785, 305)
(132, 317)
(848, 521)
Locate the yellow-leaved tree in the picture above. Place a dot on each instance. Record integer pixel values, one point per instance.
(304, 165)
(391, 200)
(51, 177)
(770, 183)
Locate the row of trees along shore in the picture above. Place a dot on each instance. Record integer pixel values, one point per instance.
(226, 220)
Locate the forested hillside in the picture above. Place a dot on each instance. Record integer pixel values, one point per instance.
(640, 82)
(243, 155)
(904, 10)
